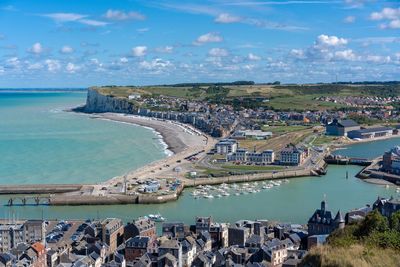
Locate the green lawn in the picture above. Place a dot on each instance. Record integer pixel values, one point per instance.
(323, 140)
(251, 167)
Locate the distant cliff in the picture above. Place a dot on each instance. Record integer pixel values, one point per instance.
(97, 103)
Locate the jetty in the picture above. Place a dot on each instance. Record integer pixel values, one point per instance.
(39, 189)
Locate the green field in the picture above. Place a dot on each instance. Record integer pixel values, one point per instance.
(285, 129)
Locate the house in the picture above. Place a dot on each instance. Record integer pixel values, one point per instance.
(370, 133)
(112, 232)
(341, 127)
(292, 155)
(387, 206)
(391, 160)
(322, 222)
(226, 146)
(174, 230)
(136, 247)
(140, 227)
(134, 96)
(173, 248)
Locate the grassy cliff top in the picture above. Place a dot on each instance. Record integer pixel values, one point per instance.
(297, 97)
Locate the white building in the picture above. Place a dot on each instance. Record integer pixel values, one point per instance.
(291, 155)
(226, 146)
(134, 96)
(242, 155)
(252, 134)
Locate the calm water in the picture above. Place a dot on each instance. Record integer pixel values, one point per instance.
(292, 202)
(39, 143)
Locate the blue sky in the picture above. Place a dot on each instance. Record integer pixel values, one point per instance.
(64, 43)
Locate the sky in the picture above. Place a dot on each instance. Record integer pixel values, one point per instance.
(65, 43)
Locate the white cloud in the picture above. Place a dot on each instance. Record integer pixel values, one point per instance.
(386, 13)
(378, 59)
(71, 68)
(74, 17)
(218, 52)
(123, 60)
(142, 30)
(349, 19)
(122, 15)
(253, 57)
(139, 51)
(209, 38)
(13, 62)
(166, 49)
(36, 48)
(155, 64)
(227, 18)
(65, 17)
(35, 66)
(91, 22)
(298, 53)
(347, 54)
(391, 16)
(52, 65)
(326, 41)
(66, 49)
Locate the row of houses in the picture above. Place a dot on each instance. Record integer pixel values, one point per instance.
(291, 155)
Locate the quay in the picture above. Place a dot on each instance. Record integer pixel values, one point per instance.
(39, 189)
(341, 160)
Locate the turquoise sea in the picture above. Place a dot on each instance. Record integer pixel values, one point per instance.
(41, 143)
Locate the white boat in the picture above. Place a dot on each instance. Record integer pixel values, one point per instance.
(226, 194)
(208, 196)
(237, 194)
(219, 196)
(156, 217)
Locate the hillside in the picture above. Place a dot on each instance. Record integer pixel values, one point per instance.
(375, 241)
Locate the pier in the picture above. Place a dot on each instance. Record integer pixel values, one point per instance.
(39, 189)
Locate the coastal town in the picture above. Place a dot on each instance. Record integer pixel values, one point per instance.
(146, 241)
(215, 141)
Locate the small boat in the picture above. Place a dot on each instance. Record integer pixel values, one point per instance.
(219, 196)
(156, 217)
(208, 196)
(237, 194)
(226, 194)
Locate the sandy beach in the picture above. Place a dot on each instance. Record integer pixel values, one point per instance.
(183, 140)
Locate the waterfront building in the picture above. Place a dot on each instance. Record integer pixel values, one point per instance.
(136, 247)
(242, 155)
(173, 230)
(226, 146)
(170, 248)
(112, 232)
(151, 186)
(387, 206)
(341, 127)
(322, 222)
(370, 133)
(391, 160)
(11, 234)
(140, 227)
(292, 155)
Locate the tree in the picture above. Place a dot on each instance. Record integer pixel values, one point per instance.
(374, 221)
(394, 221)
